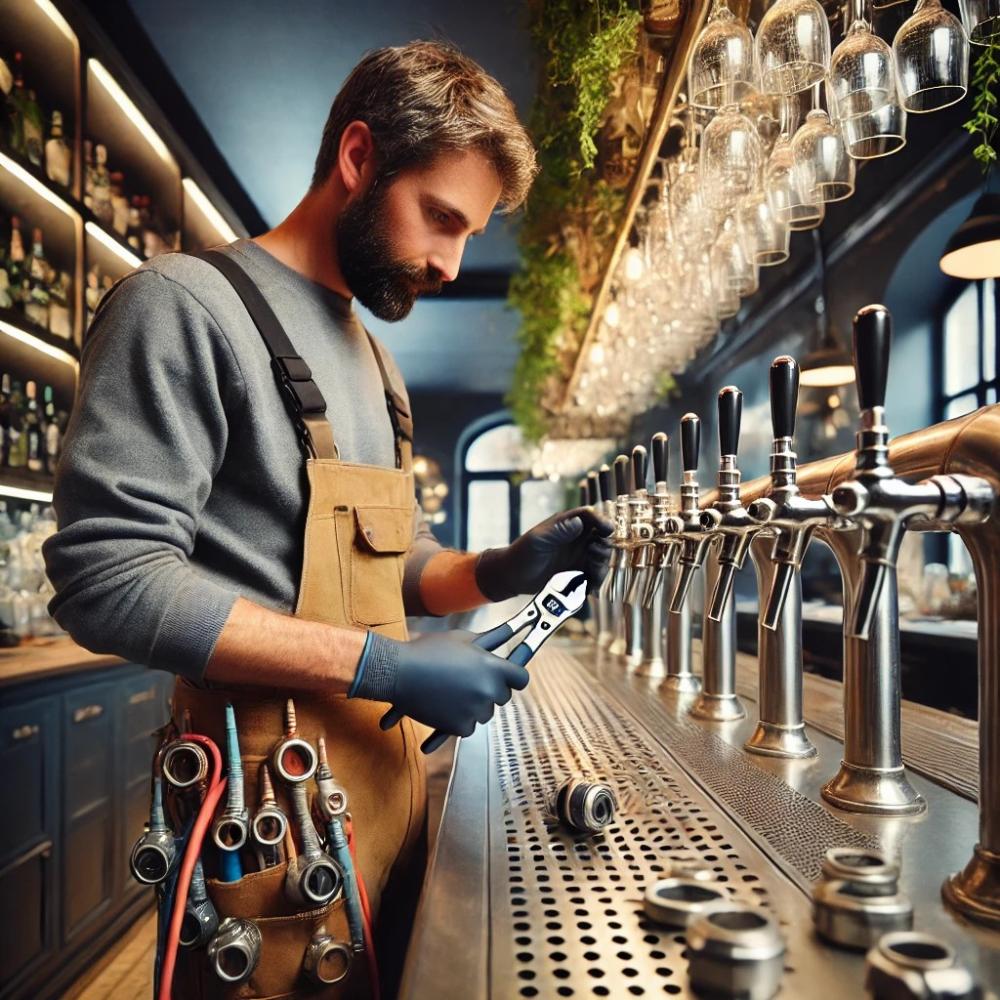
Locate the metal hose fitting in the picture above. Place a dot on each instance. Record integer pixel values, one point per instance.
(185, 764)
(229, 831)
(269, 823)
(234, 951)
(585, 806)
(678, 902)
(154, 852)
(907, 965)
(200, 918)
(333, 797)
(326, 960)
(293, 760)
(313, 877)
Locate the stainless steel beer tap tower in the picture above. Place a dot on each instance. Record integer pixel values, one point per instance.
(727, 522)
(871, 776)
(611, 589)
(688, 527)
(777, 557)
(606, 506)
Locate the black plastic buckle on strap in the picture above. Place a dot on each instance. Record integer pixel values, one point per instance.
(300, 392)
(398, 434)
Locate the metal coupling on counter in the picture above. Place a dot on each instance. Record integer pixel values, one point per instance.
(230, 829)
(326, 960)
(858, 899)
(694, 540)
(201, 920)
(679, 901)
(584, 806)
(269, 823)
(234, 951)
(908, 965)
(737, 951)
(153, 853)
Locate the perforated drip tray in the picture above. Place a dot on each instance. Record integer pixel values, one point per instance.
(517, 906)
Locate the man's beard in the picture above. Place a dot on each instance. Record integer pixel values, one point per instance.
(385, 286)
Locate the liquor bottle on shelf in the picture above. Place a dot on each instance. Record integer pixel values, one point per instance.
(35, 459)
(88, 174)
(58, 157)
(92, 293)
(17, 102)
(17, 453)
(53, 432)
(59, 310)
(34, 130)
(101, 193)
(119, 203)
(15, 264)
(36, 306)
(5, 419)
(133, 233)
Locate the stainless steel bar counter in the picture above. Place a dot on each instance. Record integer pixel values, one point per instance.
(516, 906)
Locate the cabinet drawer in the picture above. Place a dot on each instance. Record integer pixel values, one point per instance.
(88, 748)
(86, 883)
(24, 895)
(26, 772)
(144, 703)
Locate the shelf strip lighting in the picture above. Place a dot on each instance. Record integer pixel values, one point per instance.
(210, 212)
(19, 494)
(39, 345)
(37, 186)
(131, 111)
(113, 245)
(57, 19)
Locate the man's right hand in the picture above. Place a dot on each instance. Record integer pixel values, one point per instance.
(439, 679)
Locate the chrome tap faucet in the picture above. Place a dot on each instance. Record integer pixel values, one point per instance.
(876, 498)
(687, 526)
(599, 494)
(640, 530)
(666, 547)
(611, 589)
(727, 518)
(728, 522)
(793, 517)
(878, 506)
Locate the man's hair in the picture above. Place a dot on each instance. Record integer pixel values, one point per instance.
(423, 99)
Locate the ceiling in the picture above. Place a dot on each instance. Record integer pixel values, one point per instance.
(261, 77)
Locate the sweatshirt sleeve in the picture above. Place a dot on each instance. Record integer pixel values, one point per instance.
(159, 386)
(423, 548)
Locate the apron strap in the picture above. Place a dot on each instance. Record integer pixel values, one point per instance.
(302, 397)
(399, 412)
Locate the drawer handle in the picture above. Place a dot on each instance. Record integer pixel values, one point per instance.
(140, 696)
(25, 732)
(87, 712)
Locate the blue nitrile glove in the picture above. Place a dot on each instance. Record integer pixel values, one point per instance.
(439, 679)
(574, 539)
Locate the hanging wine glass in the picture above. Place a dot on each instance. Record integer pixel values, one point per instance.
(793, 46)
(731, 159)
(932, 58)
(798, 209)
(730, 264)
(764, 238)
(981, 19)
(820, 162)
(721, 69)
(878, 133)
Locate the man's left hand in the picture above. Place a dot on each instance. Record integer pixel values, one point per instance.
(574, 539)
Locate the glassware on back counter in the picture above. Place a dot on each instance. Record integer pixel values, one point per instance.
(25, 590)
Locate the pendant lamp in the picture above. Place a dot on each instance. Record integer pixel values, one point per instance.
(830, 364)
(973, 252)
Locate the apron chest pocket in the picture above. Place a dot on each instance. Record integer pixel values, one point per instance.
(373, 541)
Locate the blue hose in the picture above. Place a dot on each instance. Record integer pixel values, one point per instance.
(352, 900)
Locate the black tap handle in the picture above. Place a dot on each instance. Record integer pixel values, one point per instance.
(621, 475)
(593, 492)
(690, 441)
(639, 465)
(604, 482)
(784, 395)
(659, 447)
(730, 412)
(872, 338)
(584, 493)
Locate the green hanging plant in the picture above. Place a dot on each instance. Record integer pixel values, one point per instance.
(582, 45)
(983, 123)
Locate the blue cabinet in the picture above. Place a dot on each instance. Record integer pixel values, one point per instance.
(75, 756)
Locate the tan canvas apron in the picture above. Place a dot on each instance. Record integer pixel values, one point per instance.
(359, 526)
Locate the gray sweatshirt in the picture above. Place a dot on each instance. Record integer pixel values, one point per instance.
(182, 485)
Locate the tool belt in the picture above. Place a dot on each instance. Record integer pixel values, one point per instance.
(286, 927)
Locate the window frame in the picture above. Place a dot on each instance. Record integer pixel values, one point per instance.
(982, 386)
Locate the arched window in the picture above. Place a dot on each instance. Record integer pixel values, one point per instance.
(498, 499)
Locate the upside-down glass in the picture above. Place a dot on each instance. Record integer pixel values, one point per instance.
(878, 133)
(764, 239)
(862, 77)
(730, 265)
(690, 220)
(981, 19)
(932, 58)
(731, 159)
(820, 161)
(721, 69)
(798, 209)
(793, 46)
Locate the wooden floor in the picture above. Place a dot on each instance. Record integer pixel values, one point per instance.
(123, 973)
